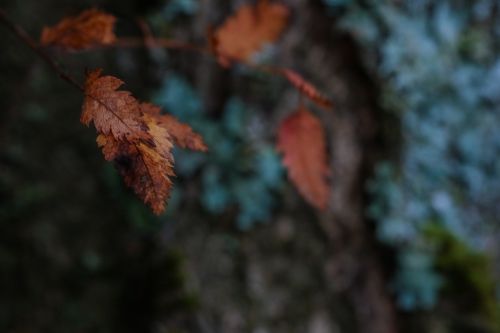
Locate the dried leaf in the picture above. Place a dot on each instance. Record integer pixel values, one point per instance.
(302, 142)
(146, 167)
(213, 46)
(249, 29)
(306, 88)
(112, 112)
(136, 137)
(91, 28)
(182, 134)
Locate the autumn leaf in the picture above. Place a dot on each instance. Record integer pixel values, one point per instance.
(182, 134)
(213, 46)
(91, 28)
(136, 137)
(249, 29)
(301, 140)
(112, 111)
(146, 167)
(306, 88)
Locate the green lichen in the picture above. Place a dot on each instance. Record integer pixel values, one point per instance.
(469, 281)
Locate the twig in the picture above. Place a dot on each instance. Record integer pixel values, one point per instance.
(149, 40)
(157, 42)
(24, 37)
(124, 42)
(154, 42)
(130, 42)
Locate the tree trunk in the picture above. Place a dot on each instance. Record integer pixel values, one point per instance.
(333, 60)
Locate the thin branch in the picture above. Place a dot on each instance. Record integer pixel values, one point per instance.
(149, 40)
(130, 42)
(124, 42)
(24, 37)
(156, 42)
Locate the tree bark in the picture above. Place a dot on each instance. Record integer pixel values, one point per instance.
(333, 60)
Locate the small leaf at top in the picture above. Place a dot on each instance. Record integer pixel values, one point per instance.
(249, 29)
(89, 29)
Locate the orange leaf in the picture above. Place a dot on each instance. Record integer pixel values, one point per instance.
(146, 167)
(306, 88)
(301, 139)
(112, 112)
(136, 137)
(182, 134)
(249, 29)
(91, 28)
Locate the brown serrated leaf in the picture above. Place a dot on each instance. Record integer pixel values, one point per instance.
(111, 148)
(249, 29)
(89, 29)
(113, 112)
(146, 166)
(306, 88)
(136, 137)
(182, 134)
(301, 139)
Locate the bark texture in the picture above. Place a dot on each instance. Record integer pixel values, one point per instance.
(333, 57)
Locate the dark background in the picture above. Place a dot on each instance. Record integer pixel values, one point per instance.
(408, 243)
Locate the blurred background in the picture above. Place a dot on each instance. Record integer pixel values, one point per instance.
(409, 242)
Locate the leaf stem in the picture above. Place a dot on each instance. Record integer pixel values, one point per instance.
(24, 37)
(30, 42)
(130, 42)
(156, 42)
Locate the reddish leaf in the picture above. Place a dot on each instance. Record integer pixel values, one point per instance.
(136, 137)
(112, 112)
(302, 142)
(91, 28)
(147, 167)
(306, 88)
(249, 29)
(182, 134)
